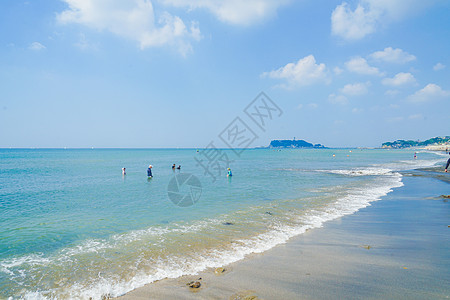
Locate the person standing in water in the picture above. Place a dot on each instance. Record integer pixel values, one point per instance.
(229, 174)
(149, 171)
(124, 172)
(173, 167)
(448, 163)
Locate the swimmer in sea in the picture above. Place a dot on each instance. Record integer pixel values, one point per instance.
(149, 171)
(179, 167)
(448, 163)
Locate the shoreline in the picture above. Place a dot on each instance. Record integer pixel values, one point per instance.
(381, 251)
(438, 148)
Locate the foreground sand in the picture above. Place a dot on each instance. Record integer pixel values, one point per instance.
(398, 248)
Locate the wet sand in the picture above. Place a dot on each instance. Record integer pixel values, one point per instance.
(433, 172)
(397, 248)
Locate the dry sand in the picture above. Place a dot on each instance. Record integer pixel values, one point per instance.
(438, 147)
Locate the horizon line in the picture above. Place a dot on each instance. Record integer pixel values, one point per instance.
(175, 148)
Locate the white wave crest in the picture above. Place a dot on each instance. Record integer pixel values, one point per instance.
(354, 200)
(361, 172)
(173, 266)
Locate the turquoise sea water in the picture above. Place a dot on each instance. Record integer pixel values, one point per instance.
(72, 226)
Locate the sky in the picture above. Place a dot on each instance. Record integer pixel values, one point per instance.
(177, 73)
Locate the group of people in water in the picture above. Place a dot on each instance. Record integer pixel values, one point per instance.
(229, 173)
(149, 171)
(174, 167)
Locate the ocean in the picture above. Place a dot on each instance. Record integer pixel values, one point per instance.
(72, 226)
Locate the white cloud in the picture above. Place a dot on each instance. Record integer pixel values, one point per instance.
(304, 72)
(399, 79)
(416, 117)
(438, 66)
(84, 44)
(356, 89)
(235, 12)
(337, 71)
(357, 110)
(395, 119)
(134, 20)
(428, 93)
(392, 93)
(369, 15)
(392, 55)
(359, 65)
(309, 106)
(338, 99)
(399, 9)
(36, 46)
(195, 31)
(353, 25)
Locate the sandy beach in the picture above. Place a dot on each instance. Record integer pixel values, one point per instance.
(397, 248)
(262, 149)
(438, 147)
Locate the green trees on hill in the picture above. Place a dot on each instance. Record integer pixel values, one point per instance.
(406, 144)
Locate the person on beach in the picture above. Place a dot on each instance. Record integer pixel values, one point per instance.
(229, 174)
(149, 171)
(448, 163)
(123, 171)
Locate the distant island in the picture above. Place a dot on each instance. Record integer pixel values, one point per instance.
(293, 144)
(399, 144)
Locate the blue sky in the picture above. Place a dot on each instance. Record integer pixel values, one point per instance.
(175, 73)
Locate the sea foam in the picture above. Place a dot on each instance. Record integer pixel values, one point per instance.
(373, 182)
(174, 266)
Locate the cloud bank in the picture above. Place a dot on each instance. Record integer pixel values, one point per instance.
(36, 46)
(393, 56)
(236, 12)
(438, 66)
(430, 92)
(134, 20)
(303, 72)
(356, 89)
(370, 15)
(399, 79)
(359, 65)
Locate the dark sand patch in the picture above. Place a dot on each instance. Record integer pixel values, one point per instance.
(431, 172)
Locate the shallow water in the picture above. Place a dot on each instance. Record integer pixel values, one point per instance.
(72, 226)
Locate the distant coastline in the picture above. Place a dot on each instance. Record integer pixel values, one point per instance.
(293, 144)
(436, 143)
